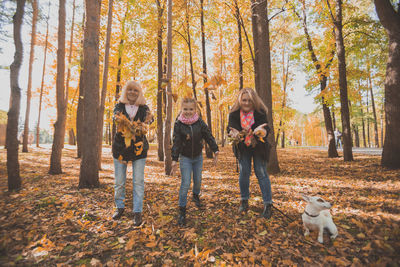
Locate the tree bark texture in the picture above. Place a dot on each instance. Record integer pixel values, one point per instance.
(260, 14)
(189, 43)
(240, 46)
(373, 109)
(29, 89)
(209, 153)
(89, 171)
(390, 19)
(14, 178)
(160, 88)
(100, 117)
(62, 96)
(43, 74)
(79, 112)
(168, 120)
(344, 101)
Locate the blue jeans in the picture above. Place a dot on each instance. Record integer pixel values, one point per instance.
(188, 167)
(138, 184)
(260, 168)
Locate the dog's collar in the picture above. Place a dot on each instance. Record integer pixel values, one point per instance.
(308, 214)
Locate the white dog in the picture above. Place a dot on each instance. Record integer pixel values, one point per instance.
(316, 216)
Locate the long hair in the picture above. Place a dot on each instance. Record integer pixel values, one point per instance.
(140, 101)
(255, 99)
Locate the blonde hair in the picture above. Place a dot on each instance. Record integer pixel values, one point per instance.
(140, 101)
(186, 100)
(255, 99)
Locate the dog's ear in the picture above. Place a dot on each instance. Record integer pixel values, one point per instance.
(305, 197)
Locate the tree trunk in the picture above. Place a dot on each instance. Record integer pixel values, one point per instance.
(70, 141)
(363, 126)
(285, 74)
(43, 73)
(373, 109)
(255, 29)
(160, 88)
(283, 140)
(368, 136)
(71, 137)
(89, 171)
(344, 102)
(100, 117)
(168, 120)
(119, 66)
(240, 47)
(79, 112)
(62, 96)
(14, 178)
(209, 153)
(332, 152)
(222, 128)
(189, 43)
(390, 19)
(261, 43)
(334, 119)
(29, 89)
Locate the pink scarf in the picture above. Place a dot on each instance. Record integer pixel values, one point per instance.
(188, 121)
(246, 121)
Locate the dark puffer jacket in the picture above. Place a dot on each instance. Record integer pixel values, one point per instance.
(261, 149)
(118, 146)
(187, 139)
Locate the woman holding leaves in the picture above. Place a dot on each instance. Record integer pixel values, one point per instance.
(189, 131)
(132, 116)
(248, 128)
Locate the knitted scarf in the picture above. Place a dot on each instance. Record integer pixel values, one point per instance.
(246, 121)
(188, 121)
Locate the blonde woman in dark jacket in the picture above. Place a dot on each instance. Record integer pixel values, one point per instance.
(248, 125)
(132, 105)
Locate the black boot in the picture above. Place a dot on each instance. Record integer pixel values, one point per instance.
(267, 212)
(182, 216)
(196, 200)
(137, 219)
(244, 206)
(118, 213)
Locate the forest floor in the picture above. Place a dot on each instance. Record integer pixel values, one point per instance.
(50, 222)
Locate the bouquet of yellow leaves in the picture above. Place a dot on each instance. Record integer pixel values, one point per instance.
(130, 129)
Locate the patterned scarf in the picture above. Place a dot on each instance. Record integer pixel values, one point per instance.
(188, 121)
(246, 121)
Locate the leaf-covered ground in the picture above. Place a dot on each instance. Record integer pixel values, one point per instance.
(51, 222)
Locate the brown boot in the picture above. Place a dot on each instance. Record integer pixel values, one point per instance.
(137, 219)
(244, 206)
(118, 213)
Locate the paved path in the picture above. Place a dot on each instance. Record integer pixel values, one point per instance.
(361, 150)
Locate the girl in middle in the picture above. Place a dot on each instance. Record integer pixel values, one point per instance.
(189, 130)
